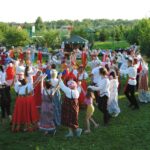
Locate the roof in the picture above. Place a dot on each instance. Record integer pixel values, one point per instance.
(75, 39)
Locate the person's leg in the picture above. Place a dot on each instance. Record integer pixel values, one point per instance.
(96, 125)
(100, 104)
(88, 116)
(70, 133)
(133, 98)
(105, 111)
(127, 93)
(8, 101)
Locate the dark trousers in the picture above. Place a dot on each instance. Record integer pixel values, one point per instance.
(130, 94)
(5, 100)
(102, 106)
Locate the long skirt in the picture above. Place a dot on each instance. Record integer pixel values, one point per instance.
(25, 112)
(144, 96)
(38, 95)
(57, 108)
(82, 94)
(47, 116)
(70, 110)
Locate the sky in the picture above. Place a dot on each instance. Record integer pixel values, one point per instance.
(28, 10)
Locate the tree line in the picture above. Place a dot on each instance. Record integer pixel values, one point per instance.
(51, 34)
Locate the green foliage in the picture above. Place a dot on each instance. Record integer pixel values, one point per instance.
(51, 38)
(16, 37)
(111, 45)
(39, 25)
(104, 35)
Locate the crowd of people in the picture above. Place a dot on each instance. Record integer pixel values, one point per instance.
(52, 93)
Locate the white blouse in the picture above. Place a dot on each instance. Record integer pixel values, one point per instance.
(21, 89)
(54, 82)
(2, 77)
(69, 92)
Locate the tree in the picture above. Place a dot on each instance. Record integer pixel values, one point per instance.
(104, 35)
(51, 38)
(16, 37)
(39, 25)
(144, 38)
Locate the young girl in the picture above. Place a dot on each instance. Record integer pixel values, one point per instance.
(90, 110)
(47, 109)
(70, 107)
(25, 113)
(56, 97)
(113, 107)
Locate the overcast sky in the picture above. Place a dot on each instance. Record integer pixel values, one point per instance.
(28, 10)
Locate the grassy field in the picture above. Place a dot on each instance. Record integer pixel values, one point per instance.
(111, 45)
(129, 131)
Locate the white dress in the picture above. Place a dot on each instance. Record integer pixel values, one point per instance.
(113, 107)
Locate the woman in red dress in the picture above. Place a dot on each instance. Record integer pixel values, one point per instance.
(39, 57)
(82, 76)
(25, 113)
(37, 88)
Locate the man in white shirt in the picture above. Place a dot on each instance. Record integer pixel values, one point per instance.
(131, 71)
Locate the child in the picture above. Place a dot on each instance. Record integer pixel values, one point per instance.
(25, 112)
(70, 107)
(47, 109)
(113, 107)
(90, 110)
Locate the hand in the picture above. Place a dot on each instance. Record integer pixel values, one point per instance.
(89, 87)
(59, 76)
(44, 76)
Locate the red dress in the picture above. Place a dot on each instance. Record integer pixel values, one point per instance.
(21, 55)
(37, 92)
(84, 58)
(10, 74)
(39, 56)
(83, 91)
(25, 112)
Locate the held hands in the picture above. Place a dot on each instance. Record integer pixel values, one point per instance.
(59, 76)
(44, 76)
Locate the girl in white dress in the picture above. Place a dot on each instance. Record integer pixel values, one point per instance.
(112, 106)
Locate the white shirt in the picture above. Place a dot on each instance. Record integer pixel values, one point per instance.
(21, 89)
(69, 92)
(2, 77)
(83, 76)
(96, 75)
(132, 73)
(54, 82)
(102, 87)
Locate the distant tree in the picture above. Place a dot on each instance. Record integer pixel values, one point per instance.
(39, 25)
(16, 37)
(104, 35)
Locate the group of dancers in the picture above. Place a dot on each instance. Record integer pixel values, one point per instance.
(51, 94)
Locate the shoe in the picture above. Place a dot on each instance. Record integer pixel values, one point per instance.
(69, 135)
(135, 108)
(87, 131)
(78, 132)
(97, 126)
(130, 105)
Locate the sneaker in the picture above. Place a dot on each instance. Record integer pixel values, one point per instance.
(78, 132)
(69, 135)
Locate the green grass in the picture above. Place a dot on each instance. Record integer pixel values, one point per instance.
(111, 45)
(129, 131)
